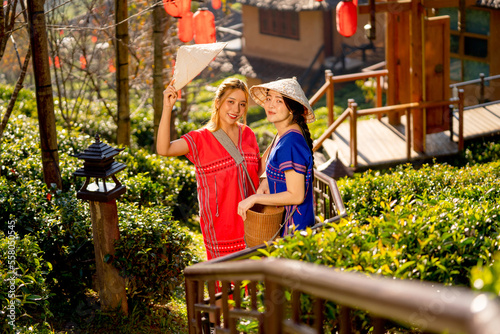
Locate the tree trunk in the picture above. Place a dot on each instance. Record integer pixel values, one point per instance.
(158, 33)
(122, 83)
(44, 98)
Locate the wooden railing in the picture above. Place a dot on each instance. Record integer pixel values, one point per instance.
(353, 113)
(328, 208)
(482, 83)
(328, 88)
(422, 306)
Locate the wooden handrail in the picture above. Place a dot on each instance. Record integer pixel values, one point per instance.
(331, 80)
(359, 76)
(427, 306)
(406, 107)
(328, 132)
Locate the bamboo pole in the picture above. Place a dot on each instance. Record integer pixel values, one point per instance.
(158, 32)
(122, 82)
(44, 97)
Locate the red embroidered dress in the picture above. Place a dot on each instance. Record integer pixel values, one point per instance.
(221, 186)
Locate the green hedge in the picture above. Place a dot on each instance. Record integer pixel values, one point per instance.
(154, 246)
(430, 224)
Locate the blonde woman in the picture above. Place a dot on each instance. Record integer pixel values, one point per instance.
(221, 184)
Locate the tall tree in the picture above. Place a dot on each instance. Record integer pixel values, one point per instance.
(122, 80)
(8, 16)
(158, 66)
(44, 98)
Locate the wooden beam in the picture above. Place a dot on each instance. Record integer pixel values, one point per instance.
(447, 3)
(441, 3)
(405, 5)
(416, 79)
(383, 7)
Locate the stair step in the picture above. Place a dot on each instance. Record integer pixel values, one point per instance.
(330, 148)
(319, 158)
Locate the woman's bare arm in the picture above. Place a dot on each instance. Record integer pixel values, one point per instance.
(163, 144)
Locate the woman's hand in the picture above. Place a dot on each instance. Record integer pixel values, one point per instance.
(263, 187)
(169, 96)
(245, 205)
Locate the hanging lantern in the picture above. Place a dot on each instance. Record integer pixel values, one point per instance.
(216, 4)
(83, 62)
(177, 8)
(347, 18)
(185, 27)
(111, 66)
(204, 26)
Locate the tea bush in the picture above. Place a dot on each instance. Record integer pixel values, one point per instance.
(153, 249)
(24, 290)
(429, 224)
(152, 254)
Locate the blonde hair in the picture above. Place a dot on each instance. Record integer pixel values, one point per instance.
(225, 88)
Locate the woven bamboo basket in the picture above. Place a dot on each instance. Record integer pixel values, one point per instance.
(262, 223)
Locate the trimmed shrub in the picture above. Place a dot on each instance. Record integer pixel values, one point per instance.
(430, 224)
(24, 291)
(152, 253)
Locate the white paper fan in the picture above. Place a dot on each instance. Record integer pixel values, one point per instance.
(192, 59)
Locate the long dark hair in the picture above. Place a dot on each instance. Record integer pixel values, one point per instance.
(298, 110)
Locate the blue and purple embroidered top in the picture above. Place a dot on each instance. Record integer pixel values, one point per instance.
(292, 152)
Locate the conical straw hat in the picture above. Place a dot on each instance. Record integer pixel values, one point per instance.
(192, 59)
(287, 87)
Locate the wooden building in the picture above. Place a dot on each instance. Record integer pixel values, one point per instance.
(302, 34)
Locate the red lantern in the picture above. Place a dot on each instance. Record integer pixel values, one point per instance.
(83, 62)
(204, 26)
(216, 4)
(185, 27)
(347, 18)
(177, 8)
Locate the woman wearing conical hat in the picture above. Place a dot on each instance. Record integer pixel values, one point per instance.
(290, 163)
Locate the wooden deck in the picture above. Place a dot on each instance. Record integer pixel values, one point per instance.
(382, 145)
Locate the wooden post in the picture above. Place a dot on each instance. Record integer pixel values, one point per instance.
(345, 320)
(105, 231)
(191, 296)
(378, 95)
(44, 99)
(330, 97)
(122, 83)
(481, 89)
(355, 135)
(460, 120)
(274, 300)
(408, 133)
(417, 77)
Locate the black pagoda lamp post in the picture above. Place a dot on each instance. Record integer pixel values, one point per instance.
(99, 164)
